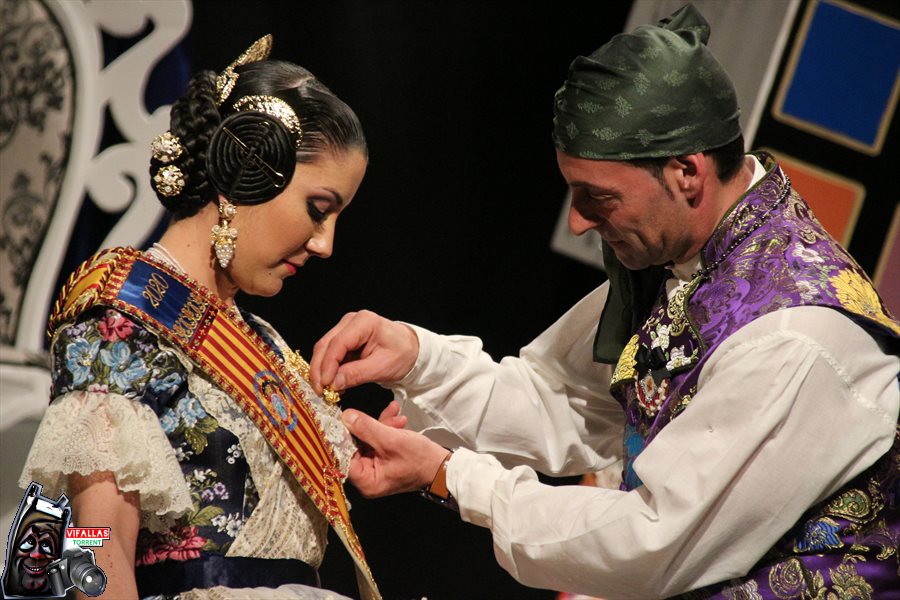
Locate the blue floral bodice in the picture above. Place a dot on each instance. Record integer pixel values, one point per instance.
(105, 352)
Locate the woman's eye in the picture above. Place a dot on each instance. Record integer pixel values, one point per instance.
(318, 209)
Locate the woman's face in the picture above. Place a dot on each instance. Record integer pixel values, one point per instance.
(277, 237)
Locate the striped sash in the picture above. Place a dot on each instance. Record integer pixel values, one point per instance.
(234, 356)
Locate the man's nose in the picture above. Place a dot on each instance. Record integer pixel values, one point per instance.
(579, 223)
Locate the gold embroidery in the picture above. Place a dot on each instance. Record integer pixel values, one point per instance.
(789, 580)
(625, 368)
(155, 290)
(848, 583)
(857, 295)
(189, 318)
(853, 504)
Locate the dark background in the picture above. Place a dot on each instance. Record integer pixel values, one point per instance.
(452, 225)
(451, 228)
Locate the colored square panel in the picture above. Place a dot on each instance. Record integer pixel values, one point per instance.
(843, 77)
(835, 200)
(887, 275)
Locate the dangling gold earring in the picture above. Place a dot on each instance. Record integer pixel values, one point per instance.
(223, 235)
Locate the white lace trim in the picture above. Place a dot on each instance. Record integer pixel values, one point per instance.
(90, 432)
(285, 523)
(284, 592)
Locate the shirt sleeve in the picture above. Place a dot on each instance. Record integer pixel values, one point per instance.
(789, 409)
(549, 408)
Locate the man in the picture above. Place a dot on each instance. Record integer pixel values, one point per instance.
(741, 355)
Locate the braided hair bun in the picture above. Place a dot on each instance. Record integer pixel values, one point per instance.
(194, 119)
(252, 157)
(246, 146)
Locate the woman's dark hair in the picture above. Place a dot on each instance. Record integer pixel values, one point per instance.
(326, 122)
(728, 161)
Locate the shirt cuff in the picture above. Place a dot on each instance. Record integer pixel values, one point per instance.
(472, 479)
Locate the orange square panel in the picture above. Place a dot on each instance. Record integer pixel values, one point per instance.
(835, 200)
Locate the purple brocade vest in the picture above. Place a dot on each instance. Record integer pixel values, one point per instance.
(770, 253)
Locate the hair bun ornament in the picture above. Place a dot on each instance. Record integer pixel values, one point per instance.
(166, 179)
(251, 157)
(226, 80)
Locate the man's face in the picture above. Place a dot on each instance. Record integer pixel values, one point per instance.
(644, 222)
(36, 547)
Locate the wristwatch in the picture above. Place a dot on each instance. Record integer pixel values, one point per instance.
(437, 490)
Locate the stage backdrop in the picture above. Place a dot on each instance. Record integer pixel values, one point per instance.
(457, 224)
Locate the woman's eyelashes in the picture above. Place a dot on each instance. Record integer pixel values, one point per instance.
(318, 209)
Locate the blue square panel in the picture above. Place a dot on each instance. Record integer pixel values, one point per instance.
(843, 77)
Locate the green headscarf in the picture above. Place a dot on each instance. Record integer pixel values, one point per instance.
(655, 92)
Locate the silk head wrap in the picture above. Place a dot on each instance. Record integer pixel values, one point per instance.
(655, 92)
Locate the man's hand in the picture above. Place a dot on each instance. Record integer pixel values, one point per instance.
(390, 460)
(363, 348)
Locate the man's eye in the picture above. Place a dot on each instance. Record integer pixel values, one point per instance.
(27, 545)
(46, 547)
(605, 198)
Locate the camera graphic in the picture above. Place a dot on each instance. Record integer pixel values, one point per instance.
(40, 561)
(77, 568)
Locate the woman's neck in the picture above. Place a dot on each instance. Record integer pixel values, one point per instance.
(187, 241)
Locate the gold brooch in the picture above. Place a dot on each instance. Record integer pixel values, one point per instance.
(297, 362)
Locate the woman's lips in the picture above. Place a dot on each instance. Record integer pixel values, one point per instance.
(291, 267)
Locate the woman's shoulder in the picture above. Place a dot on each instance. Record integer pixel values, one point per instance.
(104, 350)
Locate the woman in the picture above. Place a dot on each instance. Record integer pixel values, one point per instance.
(171, 407)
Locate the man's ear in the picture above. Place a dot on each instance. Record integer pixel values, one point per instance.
(690, 172)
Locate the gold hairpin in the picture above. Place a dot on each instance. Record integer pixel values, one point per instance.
(227, 79)
(274, 107)
(276, 177)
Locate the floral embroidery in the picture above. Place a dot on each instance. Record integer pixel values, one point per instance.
(677, 359)
(660, 338)
(230, 524)
(818, 536)
(107, 353)
(625, 369)
(234, 453)
(125, 367)
(854, 504)
(857, 295)
(190, 420)
(114, 327)
(806, 255)
(848, 583)
(789, 579)
(182, 543)
(748, 590)
(80, 355)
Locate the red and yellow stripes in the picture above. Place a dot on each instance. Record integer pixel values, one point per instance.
(236, 358)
